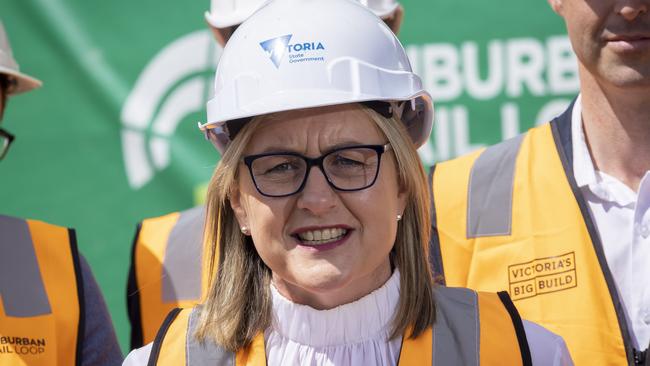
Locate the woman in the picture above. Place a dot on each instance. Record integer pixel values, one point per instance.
(319, 208)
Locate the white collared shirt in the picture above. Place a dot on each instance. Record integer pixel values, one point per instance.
(622, 217)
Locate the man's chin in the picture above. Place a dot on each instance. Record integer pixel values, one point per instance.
(628, 76)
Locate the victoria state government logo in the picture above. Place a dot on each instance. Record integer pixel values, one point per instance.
(171, 86)
(276, 48)
(542, 276)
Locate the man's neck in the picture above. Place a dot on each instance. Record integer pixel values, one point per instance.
(616, 122)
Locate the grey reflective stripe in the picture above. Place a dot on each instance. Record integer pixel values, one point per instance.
(206, 353)
(456, 331)
(21, 285)
(489, 197)
(183, 257)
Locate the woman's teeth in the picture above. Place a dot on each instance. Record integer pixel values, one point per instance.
(323, 236)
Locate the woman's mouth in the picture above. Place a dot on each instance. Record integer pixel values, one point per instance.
(321, 236)
(321, 239)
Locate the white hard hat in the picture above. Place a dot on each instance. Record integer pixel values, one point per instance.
(228, 13)
(381, 8)
(9, 66)
(295, 54)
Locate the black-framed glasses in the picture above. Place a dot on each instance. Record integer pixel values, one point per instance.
(282, 174)
(5, 141)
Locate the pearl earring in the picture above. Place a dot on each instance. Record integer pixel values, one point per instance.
(244, 230)
(399, 217)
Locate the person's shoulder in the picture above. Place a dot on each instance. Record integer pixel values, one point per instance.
(546, 347)
(138, 357)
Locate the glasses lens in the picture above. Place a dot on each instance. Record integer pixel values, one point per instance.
(353, 168)
(278, 175)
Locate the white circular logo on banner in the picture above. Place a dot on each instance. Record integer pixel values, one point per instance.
(170, 87)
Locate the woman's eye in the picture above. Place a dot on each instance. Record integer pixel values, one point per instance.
(343, 161)
(281, 168)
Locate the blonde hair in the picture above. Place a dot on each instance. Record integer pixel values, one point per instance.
(238, 305)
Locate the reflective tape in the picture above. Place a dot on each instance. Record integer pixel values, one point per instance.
(204, 353)
(491, 181)
(182, 264)
(456, 332)
(21, 285)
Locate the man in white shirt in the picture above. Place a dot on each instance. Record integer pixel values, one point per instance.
(561, 215)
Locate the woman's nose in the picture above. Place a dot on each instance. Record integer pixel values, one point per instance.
(317, 196)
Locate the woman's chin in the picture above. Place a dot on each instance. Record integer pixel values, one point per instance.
(317, 288)
(323, 280)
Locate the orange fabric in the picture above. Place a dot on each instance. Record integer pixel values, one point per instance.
(497, 333)
(174, 341)
(51, 338)
(417, 351)
(149, 256)
(547, 264)
(254, 354)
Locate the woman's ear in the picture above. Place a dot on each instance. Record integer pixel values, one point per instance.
(402, 198)
(238, 208)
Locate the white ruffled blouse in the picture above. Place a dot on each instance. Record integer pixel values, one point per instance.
(352, 334)
(356, 334)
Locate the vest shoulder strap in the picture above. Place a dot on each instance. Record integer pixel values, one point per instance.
(489, 177)
(175, 343)
(474, 193)
(477, 328)
(168, 346)
(166, 270)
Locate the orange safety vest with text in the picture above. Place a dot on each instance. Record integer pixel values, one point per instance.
(41, 294)
(511, 217)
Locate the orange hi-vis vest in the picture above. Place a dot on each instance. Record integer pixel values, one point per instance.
(470, 329)
(167, 270)
(511, 217)
(41, 304)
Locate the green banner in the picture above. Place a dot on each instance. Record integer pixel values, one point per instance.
(111, 138)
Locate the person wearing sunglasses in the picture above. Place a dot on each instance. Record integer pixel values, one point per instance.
(319, 209)
(52, 310)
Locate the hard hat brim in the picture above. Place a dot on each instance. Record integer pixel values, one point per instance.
(25, 82)
(288, 101)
